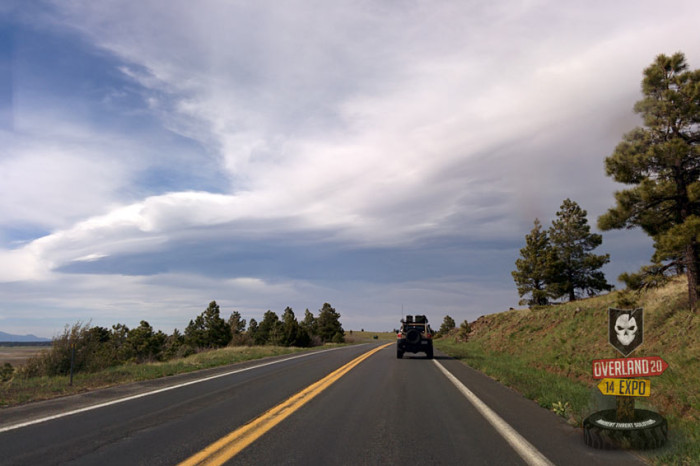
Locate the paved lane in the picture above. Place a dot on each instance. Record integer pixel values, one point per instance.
(390, 411)
(383, 411)
(386, 411)
(170, 426)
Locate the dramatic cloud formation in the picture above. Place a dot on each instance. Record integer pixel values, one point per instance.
(372, 155)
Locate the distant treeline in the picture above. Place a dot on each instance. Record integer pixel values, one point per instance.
(95, 348)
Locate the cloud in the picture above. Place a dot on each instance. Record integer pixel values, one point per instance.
(286, 150)
(52, 186)
(368, 118)
(21, 265)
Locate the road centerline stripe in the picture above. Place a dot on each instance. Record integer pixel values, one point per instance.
(230, 445)
(522, 447)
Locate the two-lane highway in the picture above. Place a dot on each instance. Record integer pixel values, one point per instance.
(379, 411)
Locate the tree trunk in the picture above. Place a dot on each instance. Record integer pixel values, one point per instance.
(691, 270)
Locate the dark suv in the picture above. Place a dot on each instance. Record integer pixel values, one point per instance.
(415, 336)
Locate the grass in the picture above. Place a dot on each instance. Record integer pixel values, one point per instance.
(354, 336)
(22, 390)
(545, 353)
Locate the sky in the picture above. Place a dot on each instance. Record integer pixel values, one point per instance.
(385, 157)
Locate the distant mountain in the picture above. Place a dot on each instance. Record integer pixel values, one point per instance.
(20, 338)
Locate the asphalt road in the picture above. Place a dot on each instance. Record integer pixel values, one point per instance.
(383, 411)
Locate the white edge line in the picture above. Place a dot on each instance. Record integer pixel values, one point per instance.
(160, 390)
(525, 449)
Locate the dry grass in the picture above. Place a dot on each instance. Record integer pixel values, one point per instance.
(18, 355)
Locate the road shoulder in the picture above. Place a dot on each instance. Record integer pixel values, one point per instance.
(560, 442)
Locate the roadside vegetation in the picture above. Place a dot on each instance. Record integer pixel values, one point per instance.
(100, 357)
(26, 389)
(545, 353)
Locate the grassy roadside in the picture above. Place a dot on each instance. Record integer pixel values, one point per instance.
(355, 336)
(24, 390)
(546, 353)
(20, 390)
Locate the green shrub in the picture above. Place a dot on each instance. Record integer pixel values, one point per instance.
(6, 372)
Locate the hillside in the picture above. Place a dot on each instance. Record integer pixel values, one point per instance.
(8, 337)
(546, 353)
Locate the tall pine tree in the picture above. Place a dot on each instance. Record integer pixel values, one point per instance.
(573, 242)
(661, 161)
(536, 268)
(328, 325)
(209, 329)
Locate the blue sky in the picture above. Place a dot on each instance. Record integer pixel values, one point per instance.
(374, 155)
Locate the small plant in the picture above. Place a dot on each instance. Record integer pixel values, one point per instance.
(464, 331)
(561, 409)
(627, 299)
(6, 372)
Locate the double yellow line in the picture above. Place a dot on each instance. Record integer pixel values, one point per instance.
(230, 445)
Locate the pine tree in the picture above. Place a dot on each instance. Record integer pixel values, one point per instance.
(252, 331)
(536, 270)
(661, 161)
(209, 329)
(448, 323)
(173, 344)
(290, 328)
(328, 325)
(236, 323)
(269, 330)
(309, 323)
(572, 240)
(195, 333)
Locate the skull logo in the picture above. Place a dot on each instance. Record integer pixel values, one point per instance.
(626, 329)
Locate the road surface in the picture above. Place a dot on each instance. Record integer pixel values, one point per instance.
(380, 410)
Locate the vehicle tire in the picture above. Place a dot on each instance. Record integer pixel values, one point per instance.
(429, 353)
(413, 337)
(399, 354)
(601, 430)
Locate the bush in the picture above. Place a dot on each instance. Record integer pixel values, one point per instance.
(145, 344)
(6, 372)
(97, 348)
(184, 351)
(88, 343)
(464, 331)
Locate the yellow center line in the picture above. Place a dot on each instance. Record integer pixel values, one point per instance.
(230, 445)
